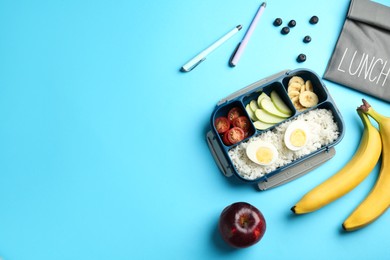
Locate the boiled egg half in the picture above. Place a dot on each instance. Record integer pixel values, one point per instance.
(261, 152)
(296, 135)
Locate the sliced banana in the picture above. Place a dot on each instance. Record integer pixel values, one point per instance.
(308, 99)
(309, 86)
(303, 88)
(294, 86)
(297, 104)
(293, 94)
(296, 79)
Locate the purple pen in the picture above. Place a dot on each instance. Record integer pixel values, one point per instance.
(241, 46)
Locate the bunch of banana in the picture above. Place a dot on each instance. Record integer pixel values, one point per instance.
(373, 144)
(376, 203)
(346, 179)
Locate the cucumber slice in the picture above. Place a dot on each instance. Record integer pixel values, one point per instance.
(261, 97)
(261, 125)
(265, 117)
(253, 105)
(250, 112)
(279, 103)
(269, 106)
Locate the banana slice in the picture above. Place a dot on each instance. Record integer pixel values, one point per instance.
(309, 86)
(297, 104)
(308, 99)
(295, 86)
(296, 79)
(303, 88)
(293, 94)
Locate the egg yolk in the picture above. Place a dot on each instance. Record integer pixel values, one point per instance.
(298, 138)
(264, 155)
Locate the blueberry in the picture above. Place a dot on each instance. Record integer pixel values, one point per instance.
(285, 30)
(292, 23)
(301, 57)
(278, 22)
(307, 39)
(313, 19)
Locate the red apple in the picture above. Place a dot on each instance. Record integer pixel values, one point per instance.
(241, 225)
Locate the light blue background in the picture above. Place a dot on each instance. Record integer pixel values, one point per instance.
(103, 152)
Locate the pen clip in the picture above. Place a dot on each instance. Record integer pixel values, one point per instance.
(233, 54)
(193, 66)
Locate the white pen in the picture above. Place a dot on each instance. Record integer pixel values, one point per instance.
(202, 55)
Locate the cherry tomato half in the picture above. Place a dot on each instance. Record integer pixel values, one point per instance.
(225, 139)
(242, 122)
(234, 113)
(222, 124)
(235, 134)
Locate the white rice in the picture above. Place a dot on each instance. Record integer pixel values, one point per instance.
(322, 131)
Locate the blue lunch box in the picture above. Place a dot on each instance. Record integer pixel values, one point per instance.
(241, 98)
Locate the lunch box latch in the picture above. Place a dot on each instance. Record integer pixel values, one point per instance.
(218, 155)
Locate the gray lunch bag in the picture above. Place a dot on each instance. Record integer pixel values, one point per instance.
(361, 58)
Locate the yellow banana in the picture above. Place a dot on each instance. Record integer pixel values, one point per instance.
(346, 179)
(378, 200)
